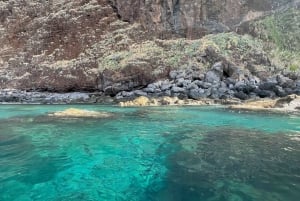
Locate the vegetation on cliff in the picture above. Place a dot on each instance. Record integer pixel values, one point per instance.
(281, 35)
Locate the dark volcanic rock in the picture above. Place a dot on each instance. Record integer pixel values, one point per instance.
(198, 94)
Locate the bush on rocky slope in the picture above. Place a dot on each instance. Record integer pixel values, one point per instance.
(281, 34)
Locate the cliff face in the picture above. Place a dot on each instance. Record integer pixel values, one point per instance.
(193, 18)
(64, 45)
(41, 42)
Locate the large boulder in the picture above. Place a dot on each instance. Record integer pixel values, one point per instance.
(213, 76)
(198, 93)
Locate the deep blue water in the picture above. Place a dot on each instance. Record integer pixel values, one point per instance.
(155, 153)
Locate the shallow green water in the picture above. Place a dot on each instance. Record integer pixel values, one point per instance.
(140, 154)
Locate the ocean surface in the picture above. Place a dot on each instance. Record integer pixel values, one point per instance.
(148, 154)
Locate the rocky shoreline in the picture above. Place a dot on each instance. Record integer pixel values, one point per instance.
(14, 96)
(290, 103)
(223, 84)
(220, 82)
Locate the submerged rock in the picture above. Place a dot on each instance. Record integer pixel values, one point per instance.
(78, 113)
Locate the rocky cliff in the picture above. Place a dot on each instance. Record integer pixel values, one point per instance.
(115, 45)
(193, 18)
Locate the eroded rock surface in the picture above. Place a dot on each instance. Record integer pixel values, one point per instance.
(115, 46)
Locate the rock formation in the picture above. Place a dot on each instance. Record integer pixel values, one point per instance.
(193, 18)
(112, 46)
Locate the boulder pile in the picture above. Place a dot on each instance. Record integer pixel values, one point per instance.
(221, 81)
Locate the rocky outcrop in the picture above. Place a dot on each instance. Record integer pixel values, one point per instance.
(217, 84)
(193, 18)
(23, 97)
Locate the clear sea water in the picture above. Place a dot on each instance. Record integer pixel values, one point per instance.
(155, 154)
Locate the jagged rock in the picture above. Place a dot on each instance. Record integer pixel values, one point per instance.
(280, 92)
(218, 67)
(198, 93)
(173, 74)
(177, 90)
(139, 93)
(150, 90)
(193, 85)
(241, 95)
(213, 76)
(268, 86)
(265, 94)
(204, 85)
(181, 82)
(165, 86)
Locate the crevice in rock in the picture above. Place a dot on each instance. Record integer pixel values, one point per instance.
(115, 9)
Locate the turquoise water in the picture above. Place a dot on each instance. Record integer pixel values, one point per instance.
(141, 154)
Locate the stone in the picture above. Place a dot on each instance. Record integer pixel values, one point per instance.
(205, 85)
(215, 94)
(230, 80)
(265, 93)
(254, 80)
(285, 82)
(177, 90)
(150, 90)
(165, 86)
(180, 74)
(167, 93)
(212, 77)
(218, 67)
(198, 94)
(240, 85)
(193, 85)
(173, 74)
(125, 94)
(241, 95)
(183, 83)
(268, 86)
(280, 92)
(139, 93)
